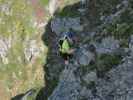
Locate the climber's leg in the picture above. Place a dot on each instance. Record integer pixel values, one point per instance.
(65, 57)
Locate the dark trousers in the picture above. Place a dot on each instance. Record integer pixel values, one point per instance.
(66, 56)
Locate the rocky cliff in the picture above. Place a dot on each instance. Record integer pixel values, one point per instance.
(101, 68)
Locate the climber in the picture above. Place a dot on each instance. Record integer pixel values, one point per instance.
(66, 46)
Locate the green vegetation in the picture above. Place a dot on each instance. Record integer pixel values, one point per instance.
(106, 7)
(91, 85)
(16, 19)
(124, 43)
(120, 31)
(17, 23)
(44, 2)
(107, 62)
(69, 12)
(122, 25)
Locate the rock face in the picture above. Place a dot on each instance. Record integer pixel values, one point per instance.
(32, 50)
(79, 80)
(68, 87)
(6, 8)
(107, 45)
(53, 6)
(29, 95)
(131, 45)
(5, 45)
(84, 56)
(118, 85)
(59, 25)
(90, 77)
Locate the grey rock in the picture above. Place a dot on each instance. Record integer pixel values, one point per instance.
(131, 45)
(115, 16)
(119, 84)
(59, 25)
(90, 77)
(84, 56)
(31, 49)
(83, 2)
(5, 8)
(108, 45)
(29, 94)
(85, 92)
(5, 45)
(53, 6)
(82, 11)
(68, 87)
(125, 3)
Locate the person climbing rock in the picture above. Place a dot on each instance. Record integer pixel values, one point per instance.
(66, 44)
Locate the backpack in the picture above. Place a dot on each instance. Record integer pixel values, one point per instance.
(68, 35)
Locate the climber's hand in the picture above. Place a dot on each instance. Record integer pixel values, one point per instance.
(71, 51)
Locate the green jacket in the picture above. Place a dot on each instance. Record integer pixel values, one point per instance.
(65, 47)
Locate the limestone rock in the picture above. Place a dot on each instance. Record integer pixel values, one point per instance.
(59, 25)
(119, 85)
(5, 45)
(5, 8)
(29, 95)
(53, 5)
(90, 77)
(84, 56)
(108, 45)
(31, 50)
(131, 44)
(67, 88)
